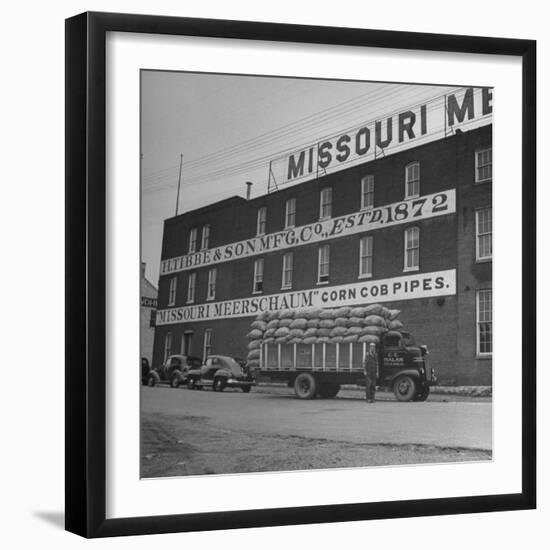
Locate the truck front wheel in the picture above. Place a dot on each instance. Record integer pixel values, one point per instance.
(404, 388)
(305, 386)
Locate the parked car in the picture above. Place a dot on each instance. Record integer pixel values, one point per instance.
(174, 370)
(220, 372)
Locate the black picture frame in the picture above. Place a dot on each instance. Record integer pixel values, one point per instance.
(86, 268)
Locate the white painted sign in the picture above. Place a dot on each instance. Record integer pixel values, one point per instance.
(434, 119)
(409, 287)
(421, 208)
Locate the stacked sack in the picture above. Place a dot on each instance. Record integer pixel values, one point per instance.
(317, 326)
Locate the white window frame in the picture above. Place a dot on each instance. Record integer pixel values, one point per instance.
(205, 237)
(191, 287)
(287, 269)
(369, 192)
(412, 181)
(290, 212)
(489, 257)
(362, 241)
(319, 254)
(479, 353)
(206, 343)
(192, 245)
(261, 221)
(325, 204)
(167, 345)
(405, 235)
(477, 165)
(211, 286)
(172, 290)
(258, 276)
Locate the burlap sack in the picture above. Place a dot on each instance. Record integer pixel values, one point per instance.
(255, 334)
(395, 325)
(341, 321)
(286, 314)
(313, 323)
(282, 331)
(355, 330)
(285, 322)
(254, 344)
(282, 339)
(374, 330)
(368, 338)
(323, 332)
(259, 325)
(310, 332)
(310, 340)
(264, 316)
(253, 364)
(355, 322)
(323, 340)
(253, 354)
(373, 309)
(269, 332)
(357, 312)
(326, 314)
(296, 333)
(268, 340)
(374, 320)
(272, 315)
(294, 341)
(299, 323)
(339, 331)
(342, 311)
(393, 314)
(327, 323)
(351, 338)
(336, 339)
(274, 323)
(311, 313)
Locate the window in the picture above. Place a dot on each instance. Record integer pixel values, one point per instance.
(484, 317)
(484, 165)
(192, 241)
(412, 180)
(258, 285)
(484, 234)
(153, 318)
(207, 343)
(365, 257)
(412, 249)
(288, 264)
(211, 289)
(172, 291)
(205, 237)
(325, 209)
(191, 283)
(324, 264)
(187, 343)
(367, 192)
(261, 221)
(290, 213)
(167, 345)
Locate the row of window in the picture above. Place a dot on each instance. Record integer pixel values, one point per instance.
(411, 260)
(484, 331)
(483, 173)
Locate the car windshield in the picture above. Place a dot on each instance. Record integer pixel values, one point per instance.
(408, 340)
(232, 364)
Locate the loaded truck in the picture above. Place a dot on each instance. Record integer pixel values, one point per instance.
(329, 352)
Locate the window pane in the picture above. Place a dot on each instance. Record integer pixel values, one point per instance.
(485, 320)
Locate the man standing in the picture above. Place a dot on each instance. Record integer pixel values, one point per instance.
(370, 368)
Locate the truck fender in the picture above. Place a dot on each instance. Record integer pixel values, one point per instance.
(155, 375)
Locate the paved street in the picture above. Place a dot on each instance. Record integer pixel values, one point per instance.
(183, 430)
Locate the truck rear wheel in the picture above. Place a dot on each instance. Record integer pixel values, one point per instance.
(404, 388)
(305, 386)
(328, 391)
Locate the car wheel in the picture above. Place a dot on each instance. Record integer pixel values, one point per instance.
(151, 381)
(175, 381)
(246, 389)
(305, 386)
(404, 388)
(219, 384)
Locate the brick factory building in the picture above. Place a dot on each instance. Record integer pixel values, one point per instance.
(411, 230)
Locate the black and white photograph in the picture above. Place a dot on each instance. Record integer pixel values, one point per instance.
(316, 274)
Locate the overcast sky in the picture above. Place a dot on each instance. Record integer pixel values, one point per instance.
(227, 127)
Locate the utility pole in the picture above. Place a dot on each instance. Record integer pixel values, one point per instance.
(179, 185)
